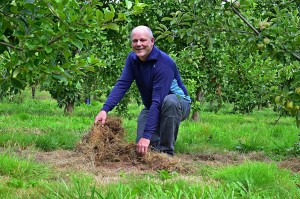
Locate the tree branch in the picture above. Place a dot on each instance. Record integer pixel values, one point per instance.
(11, 46)
(245, 20)
(54, 40)
(256, 31)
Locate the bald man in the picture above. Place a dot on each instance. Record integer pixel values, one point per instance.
(165, 98)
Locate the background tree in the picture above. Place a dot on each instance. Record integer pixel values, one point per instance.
(244, 52)
(49, 42)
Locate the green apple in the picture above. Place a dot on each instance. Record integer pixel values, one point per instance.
(266, 40)
(277, 99)
(260, 46)
(237, 4)
(289, 105)
(261, 25)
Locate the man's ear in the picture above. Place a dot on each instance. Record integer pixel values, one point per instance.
(153, 40)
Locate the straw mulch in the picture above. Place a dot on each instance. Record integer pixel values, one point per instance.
(107, 144)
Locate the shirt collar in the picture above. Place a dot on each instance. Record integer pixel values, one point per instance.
(152, 56)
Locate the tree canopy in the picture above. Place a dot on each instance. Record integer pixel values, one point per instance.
(244, 52)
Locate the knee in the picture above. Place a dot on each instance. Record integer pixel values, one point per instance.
(171, 105)
(170, 101)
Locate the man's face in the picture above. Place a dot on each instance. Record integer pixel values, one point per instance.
(141, 43)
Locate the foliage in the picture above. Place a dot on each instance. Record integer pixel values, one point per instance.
(46, 41)
(244, 52)
(208, 27)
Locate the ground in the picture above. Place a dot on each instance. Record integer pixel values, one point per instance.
(104, 153)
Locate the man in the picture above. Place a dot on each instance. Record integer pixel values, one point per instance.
(163, 94)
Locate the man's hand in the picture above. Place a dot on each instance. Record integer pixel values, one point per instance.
(101, 117)
(142, 146)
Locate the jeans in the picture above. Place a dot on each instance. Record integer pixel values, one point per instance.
(174, 110)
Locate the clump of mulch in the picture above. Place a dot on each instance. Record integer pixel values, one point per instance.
(292, 163)
(107, 144)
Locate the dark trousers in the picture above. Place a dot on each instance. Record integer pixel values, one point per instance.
(174, 110)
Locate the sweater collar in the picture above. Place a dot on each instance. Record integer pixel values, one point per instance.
(152, 56)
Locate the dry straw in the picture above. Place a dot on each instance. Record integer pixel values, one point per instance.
(107, 144)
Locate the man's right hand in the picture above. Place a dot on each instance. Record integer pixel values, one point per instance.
(101, 117)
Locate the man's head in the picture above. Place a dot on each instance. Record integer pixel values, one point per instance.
(142, 41)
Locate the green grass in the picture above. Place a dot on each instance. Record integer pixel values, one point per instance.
(21, 178)
(252, 132)
(258, 179)
(40, 125)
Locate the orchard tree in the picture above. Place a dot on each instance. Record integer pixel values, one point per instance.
(230, 33)
(50, 42)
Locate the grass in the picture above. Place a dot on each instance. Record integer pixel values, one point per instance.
(257, 179)
(253, 132)
(40, 125)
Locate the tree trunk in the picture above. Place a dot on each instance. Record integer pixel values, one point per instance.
(199, 97)
(195, 116)
(69, 108)
(259, 107)
(33, 91)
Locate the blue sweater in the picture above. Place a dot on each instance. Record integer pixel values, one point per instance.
(155, 78)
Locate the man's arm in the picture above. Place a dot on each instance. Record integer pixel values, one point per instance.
(118, 91)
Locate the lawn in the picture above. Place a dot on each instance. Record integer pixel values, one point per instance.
(232, 155)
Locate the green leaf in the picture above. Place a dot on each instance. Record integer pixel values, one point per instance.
(128, 4)
(64, 2)
(108, 15)
(297, 40)
(160, 37)
(16, 72)
(65, 39)
(121, 17)
(4, 38)
(14, 9)
(99, 16)
(48, 49)
(61, 78)
(77, 43)
(112, 26)
(90, 68)
(167, 19)
(78, 86)
(170, 39)
(18, 83)
(112, 8)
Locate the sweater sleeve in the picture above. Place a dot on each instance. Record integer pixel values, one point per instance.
(121, 87)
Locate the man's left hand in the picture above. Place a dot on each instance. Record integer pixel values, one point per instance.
(142, 146)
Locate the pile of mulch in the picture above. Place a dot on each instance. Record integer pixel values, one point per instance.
(106, 143)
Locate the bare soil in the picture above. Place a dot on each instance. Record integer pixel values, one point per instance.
(104, 153)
